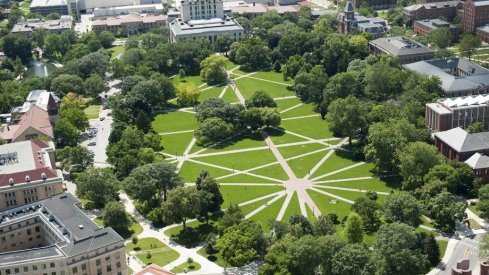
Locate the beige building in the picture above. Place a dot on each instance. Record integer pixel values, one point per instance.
(27, 173)
(54, 237)
(59, 26)
(35, 123)
(131, 24)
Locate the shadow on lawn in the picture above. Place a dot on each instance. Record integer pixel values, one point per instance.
(253, 136)
(191, 237)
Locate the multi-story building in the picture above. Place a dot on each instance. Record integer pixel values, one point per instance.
(53, 26)
(131, 24)
(376, 4)
(458, 144)
(480, 165)
(204, 19)
(46, 7)
(483, 33)
(28, 173)
(476, 14)
(55, 237)
(406, 50)
(350, 22)
(446, 10)
(422, 27)
(459, 77)
(35, 123)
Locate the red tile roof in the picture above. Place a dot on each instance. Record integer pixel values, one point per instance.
(36, 118)
(154, 269)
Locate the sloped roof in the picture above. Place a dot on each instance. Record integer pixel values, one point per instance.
(154, 269)
(478, 161)
(349, 7)
(400, 46)
(35, 118)
(462, 141)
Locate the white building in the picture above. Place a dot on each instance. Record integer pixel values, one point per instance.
(204, 19)
(65, 7)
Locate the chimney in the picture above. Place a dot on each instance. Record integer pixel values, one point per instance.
(254, 3)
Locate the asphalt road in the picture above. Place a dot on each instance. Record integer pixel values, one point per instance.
(466, 248)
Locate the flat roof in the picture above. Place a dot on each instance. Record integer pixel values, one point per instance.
(436, 23)
(202, 26)
(47, 3)
(25, 157)
(400, 46)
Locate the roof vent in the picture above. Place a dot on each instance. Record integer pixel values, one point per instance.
(11, 181)
(43, 176)
(80, 226)
(27, 178)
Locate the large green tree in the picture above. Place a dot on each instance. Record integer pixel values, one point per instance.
(440, 37)
(182, 204)
(213, 69)
(446, 210)
(115, 216)
(402, 207)
(347, 117)
(210, 194)
(98, 185)
(354, 228)
(468, 45)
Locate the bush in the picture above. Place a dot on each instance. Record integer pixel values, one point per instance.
(89, 205)
(148, 255)
(135, 240)
(190, 260)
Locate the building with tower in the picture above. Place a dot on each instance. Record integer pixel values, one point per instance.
(204, 19)
(352, 22)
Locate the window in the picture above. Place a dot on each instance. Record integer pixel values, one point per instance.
(84, 267)
(117, 265)
(34, 267)
(99, 271)
(26, 268)
(109, 268)
(51, 265)
(98, 262)
(38, 229)
(53, 273)
(74, 269)
(43, 266)
(16, 270)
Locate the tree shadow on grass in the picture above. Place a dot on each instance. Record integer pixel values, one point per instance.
(191, 237)
(393, 182)
(253, 136)
(275, 132)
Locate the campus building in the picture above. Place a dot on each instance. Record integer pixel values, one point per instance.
(458, 144)
(423, 27)
(45, 7)
(459, 77)
(350, 22)
(76, 7)
(28, 173)
(204, 19)
(433, 10)
(27, 27)
(55, 237)
(408, 51)
(131, 24)
(34, 124)
(480, 165)
(476, 13)
(376, 4)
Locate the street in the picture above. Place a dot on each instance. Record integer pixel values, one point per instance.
(466, 248)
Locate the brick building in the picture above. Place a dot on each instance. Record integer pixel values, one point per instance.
(406, 50)
(483, 33)
(458, 144)
(422, 27)
(131, 24)
(480, 165)
(28, 173)
(476, 14)
(350, 22)
(447, 10)
(376, 4)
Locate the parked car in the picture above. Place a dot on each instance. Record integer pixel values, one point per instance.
(102, 118)
(93, 143)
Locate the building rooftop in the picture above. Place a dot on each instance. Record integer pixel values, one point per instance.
(484, 28)
(62, 215)
(481, 3)
(179, 27)
(436, 23)
(478, 161)
(447, 70)
(64, 23)
(130, 18)
(400, 46)
(462, 141)
(261, 8)
(465, 101)
(154, 269)
(434, 5)
(47, 3)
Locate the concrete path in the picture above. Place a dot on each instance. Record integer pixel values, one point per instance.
(291, 108)
(300, 117)
(338, 171)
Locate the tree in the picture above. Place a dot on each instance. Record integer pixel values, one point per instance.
(53, 16)
(93, 63)
(182, 204)
(304, 250)
(277, 260)
(56, 45)
(396, 250)
(17, 46)
(440, 37)
(212, 130)
(66, 134)
(72, 101)
(94, 86)
(152, 179)
(187, 94)
(469, 44)
(210, 193)
(76, 116)
(341, 85)
(115, 216)
(402, 207)
(483, 204)
(445, 210)
(259, 99)
(415, 160)
(242, 243)
(98, 185)
(66, 83)
(309, 86)
(232, 216)
(358, 45)
(302, 224)
(368, 210)
(106, 39)
(223, 43)
(78, 158)
(351, 259)
(475, 127)
(382, 81)
(353, 228)
(251, 53)
(213, 69)
(276, 66)
(143, 122)
(270, 117)
(431, 249)
(294, 65)
(323, 226)
(346, 117)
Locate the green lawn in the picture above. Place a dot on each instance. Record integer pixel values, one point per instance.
(195, 79)
(216, 258)
(242, 178)
(246, 209)
(273, 171)
(284, 104)
(239, 142)
(310, 215)
(230, 96)
(334, 162)
(359, 171)
(297, 150)
(160, 253)
(240, 194)
(134, 230)
(280, 137)
(191, 170)
(197, 232)
(174, 122)
(115, 51)
(474, 209)
(302, 110)
(230, 65)
(25, 4)
(270, 212)
(311, 127)
(176, 144)
(248, 86)
(351, 195)
(293, 208)
(211, 92)
(303, 165)
(92, 111)
(186, 267)
(442, 244)
(374, 184)
(242, 160)
(273, 76)
(326, 205)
